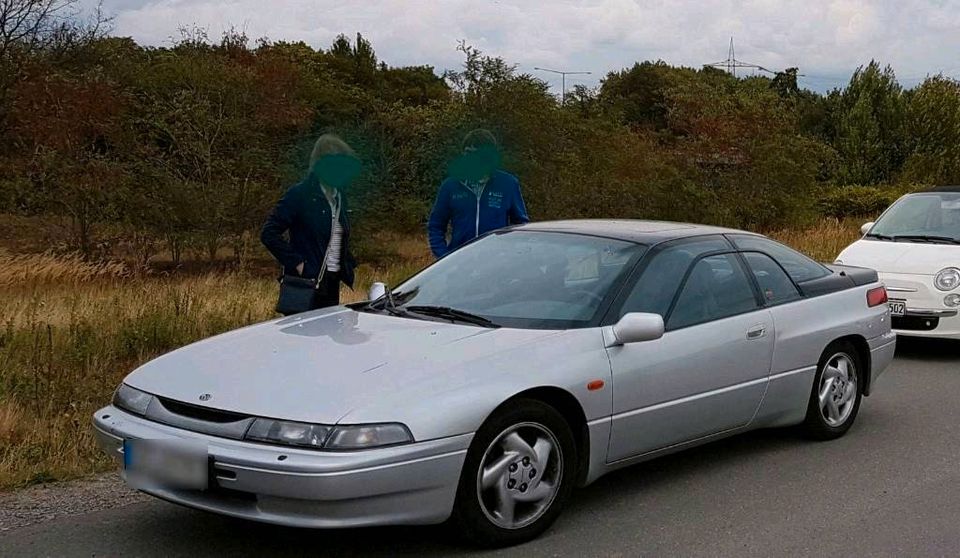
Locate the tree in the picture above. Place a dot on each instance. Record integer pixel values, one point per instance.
(28, 27)
(785, 83)
(870, 126)
(69, 132)
(933, 129)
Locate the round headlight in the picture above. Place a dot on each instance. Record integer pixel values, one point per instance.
(948, 279)
(952, 300)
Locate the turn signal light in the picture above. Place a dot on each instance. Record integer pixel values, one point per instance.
(876, 297)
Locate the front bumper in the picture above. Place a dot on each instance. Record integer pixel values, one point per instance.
(926, 315)
(402, 485)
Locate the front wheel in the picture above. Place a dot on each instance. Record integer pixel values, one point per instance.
(518, 473)
(835, 399)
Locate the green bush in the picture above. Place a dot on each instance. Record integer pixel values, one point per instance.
(860, 201)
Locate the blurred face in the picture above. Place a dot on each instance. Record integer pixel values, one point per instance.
(336, 170)
(475, 163)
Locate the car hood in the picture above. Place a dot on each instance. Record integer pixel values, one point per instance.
(318, 366)
(901, 257)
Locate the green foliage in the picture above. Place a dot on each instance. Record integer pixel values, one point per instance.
(933, 129)
(860, 201)
(870, 126)
(186, 147)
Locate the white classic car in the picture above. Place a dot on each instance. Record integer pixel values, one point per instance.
(915, 247)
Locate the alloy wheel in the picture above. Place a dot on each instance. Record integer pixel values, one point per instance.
(838, 389)
(520, 475)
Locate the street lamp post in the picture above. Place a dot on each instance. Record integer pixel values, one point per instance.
(563, 88)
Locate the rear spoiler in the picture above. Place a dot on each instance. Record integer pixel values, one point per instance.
(843, 277)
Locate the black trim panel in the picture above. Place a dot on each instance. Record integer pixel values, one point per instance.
(843, 277)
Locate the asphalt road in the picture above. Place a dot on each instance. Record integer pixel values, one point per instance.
(891, 487)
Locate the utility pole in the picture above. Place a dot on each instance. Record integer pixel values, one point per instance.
(563, 88)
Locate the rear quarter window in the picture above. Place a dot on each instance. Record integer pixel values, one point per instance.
(799, 267)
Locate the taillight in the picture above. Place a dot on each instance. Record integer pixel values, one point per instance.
(876, 297)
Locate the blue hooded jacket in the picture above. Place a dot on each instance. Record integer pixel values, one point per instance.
(498, 204)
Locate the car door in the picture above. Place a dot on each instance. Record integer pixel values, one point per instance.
(708, 372)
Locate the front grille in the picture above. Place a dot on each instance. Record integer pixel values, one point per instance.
(914, 323)
(200, 413)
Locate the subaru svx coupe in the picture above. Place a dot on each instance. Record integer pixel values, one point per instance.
(482, 390)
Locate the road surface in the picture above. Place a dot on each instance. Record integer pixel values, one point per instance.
(891, 487)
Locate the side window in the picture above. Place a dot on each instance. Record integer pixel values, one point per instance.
(775, 286)
(716, 288)
(662, 276)
(799, 267)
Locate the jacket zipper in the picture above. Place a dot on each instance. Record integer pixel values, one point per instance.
(479, 195)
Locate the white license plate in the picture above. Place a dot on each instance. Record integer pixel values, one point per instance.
(169, 463)
(897, 307)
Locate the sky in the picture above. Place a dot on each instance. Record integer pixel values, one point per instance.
(826, 39)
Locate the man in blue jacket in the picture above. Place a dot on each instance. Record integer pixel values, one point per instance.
(477, 198)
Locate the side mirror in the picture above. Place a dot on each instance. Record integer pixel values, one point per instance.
(866, 227)
(377, 290)
(636, 327)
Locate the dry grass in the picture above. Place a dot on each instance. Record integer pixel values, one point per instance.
(70, 330)
(51, 268)
(823, 241)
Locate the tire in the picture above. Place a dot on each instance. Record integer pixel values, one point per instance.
(511, 445)
(835, 414)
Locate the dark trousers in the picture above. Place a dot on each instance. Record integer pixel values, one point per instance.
(329, 292)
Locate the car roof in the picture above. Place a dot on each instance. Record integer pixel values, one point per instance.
(632, 230)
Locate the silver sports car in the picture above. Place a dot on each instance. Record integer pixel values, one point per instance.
(485, 388)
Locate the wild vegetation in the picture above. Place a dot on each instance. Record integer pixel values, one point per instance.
(181, 149)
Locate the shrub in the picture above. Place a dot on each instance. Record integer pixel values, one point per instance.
(860, 201)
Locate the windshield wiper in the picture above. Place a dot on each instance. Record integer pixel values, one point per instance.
(387, 302)
(452, 314)
(927, 238)
(880, 236)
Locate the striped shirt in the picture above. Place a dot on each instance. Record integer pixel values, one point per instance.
(336, 234)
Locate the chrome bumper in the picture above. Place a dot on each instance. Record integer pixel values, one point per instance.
(408, 484)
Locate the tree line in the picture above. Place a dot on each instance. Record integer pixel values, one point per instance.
(185, 147)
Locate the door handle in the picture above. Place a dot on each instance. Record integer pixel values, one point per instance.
(757, 331)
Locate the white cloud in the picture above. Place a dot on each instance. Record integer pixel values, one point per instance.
(827, 39)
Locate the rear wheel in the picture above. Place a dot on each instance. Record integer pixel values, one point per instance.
(517, 476)
(835, 398)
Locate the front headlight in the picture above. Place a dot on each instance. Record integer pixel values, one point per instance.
(360, 436)
(131, 399)
(288, 433)
(321, 436)
(948, 279)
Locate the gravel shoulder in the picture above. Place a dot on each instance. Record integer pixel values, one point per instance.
(46, 502)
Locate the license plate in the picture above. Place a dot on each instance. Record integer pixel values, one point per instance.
(169, 463)
(897, 307)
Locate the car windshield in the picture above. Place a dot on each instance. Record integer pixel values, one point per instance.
(524, 279)
(926, 217)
